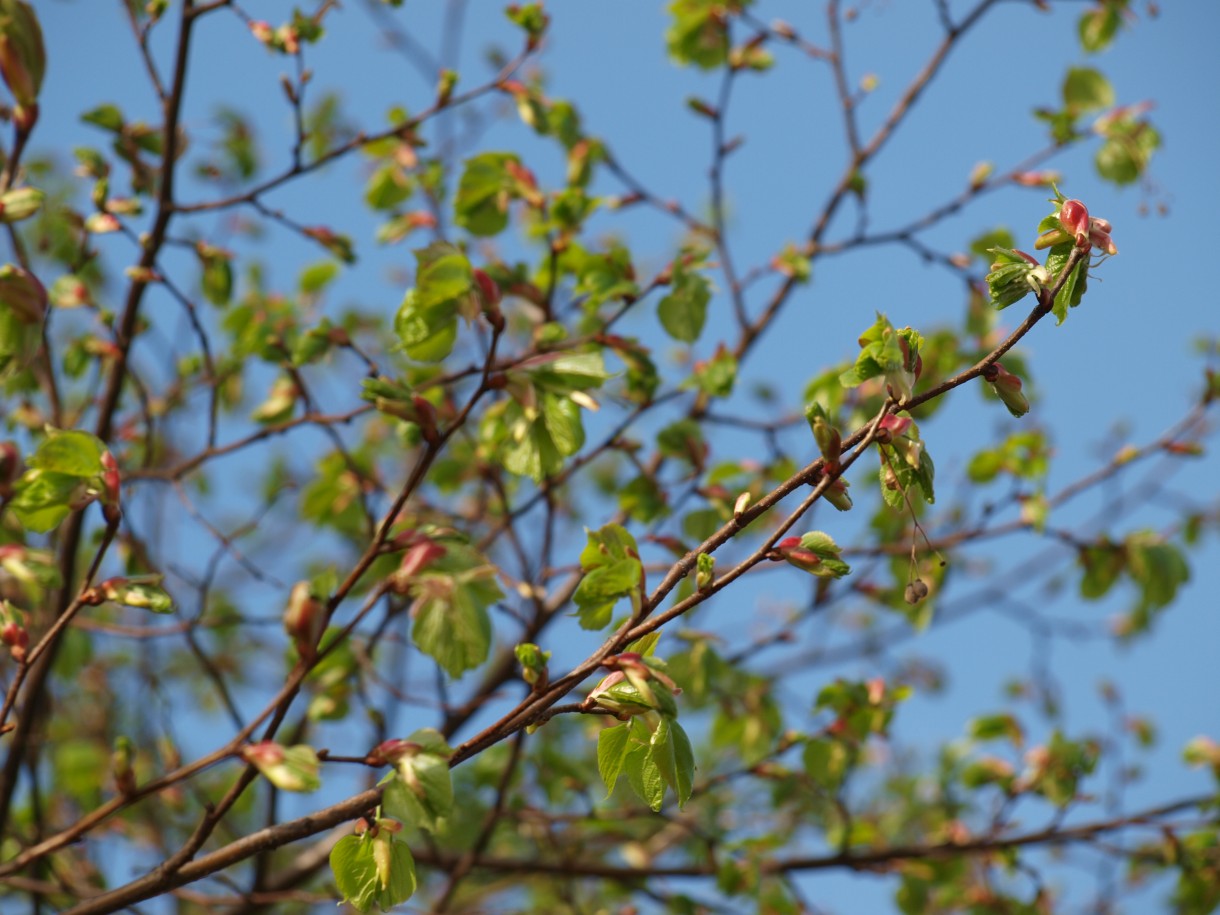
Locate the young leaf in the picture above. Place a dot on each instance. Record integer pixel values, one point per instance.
(670, 751)
(611, 563)
(684, 311)
(373, 869)
(78, 454)
(450, 619)
(484, 192)
(426, 321)
(612, 747)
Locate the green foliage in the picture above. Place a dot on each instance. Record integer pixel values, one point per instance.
(426, 321)
(484, 193)
(373, 869)
(610, 562)
(420, 791)
(684, 311)
(451, 596)
(63, 475)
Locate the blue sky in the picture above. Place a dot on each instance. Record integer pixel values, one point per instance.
(1124, 356)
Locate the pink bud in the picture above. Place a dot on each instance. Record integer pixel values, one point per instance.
(790, 549)
(1008, 388)
(895, 425)
(1074, 216)
(264, 753)
(1035, 179)
(390, 752)
(16, 637)
(488, 288)
(304, 618)
(418, 557)
(10, 463)
(262, 31)
(1099, 236)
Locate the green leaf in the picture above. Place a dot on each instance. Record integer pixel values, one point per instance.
(715, 376)
(684, 311)
(451, 622)
(1129, 147)
(1102, 565)
(78, 454)
(217, 280)
(611, 563)
(420, 791)
(643, 499)
(42, 500)
(1085, 89)
(612, 746)
(684, 763)
(317, 276)
(371, 869)
(698, 33)
(141, 591)
(996, 727)
(426, 321)
(1073, 288)
(1098, 26)
(388, 187)
(826, 762)
(107, 117)
(643, 775)
(484, 193)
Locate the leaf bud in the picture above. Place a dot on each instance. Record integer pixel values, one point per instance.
(121, 759)
(1074, 217)
(288, 768)
(12, 630)
(790, 550)
(20, 203)
(1007, 387)
(533, 661)
(304, 619)
(23, 294)
(23, 57)
(705, 568)
(10, 464)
